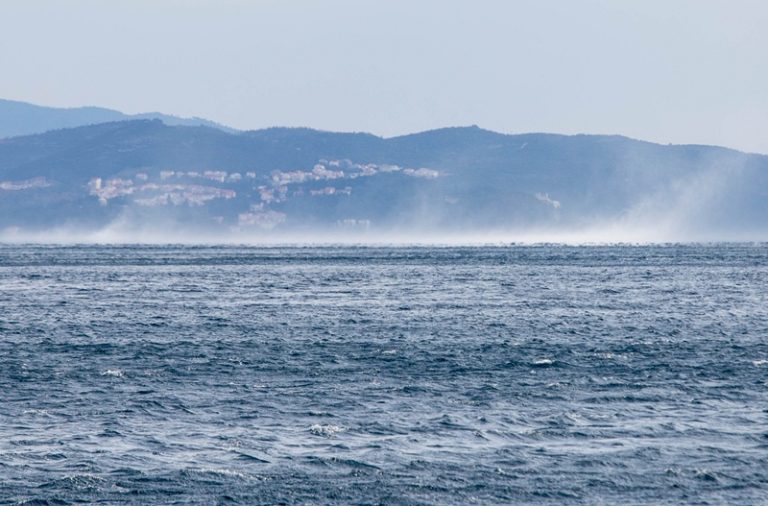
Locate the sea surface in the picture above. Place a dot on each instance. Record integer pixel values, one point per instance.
(361, 375)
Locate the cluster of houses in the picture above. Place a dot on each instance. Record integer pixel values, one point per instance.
(27, 184)
(178, 187)
(155, 194)
(220, 176)
(260, 217)
(345, 169)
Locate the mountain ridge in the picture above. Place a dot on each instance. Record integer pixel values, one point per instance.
(19, 118)
(453, 179)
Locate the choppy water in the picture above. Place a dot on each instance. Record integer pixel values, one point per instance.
(545, 375)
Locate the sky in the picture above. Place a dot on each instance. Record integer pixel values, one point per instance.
(668, 71)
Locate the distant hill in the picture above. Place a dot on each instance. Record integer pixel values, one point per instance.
(145, 174)
(21, 118)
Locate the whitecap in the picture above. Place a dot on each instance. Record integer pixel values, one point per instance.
(37, 412)
(223, 472)
(325, 430)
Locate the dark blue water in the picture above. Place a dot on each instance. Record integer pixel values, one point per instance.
(542, 375)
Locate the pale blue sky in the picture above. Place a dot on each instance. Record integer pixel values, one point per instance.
(680, 71)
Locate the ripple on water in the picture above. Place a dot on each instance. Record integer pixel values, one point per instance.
(537, 375)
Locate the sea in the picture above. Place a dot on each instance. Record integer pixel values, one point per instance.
(508, 374)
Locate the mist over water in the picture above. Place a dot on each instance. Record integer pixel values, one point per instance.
(720, 199)
(642, 227)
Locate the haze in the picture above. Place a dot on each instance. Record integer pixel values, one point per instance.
(687, 71)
